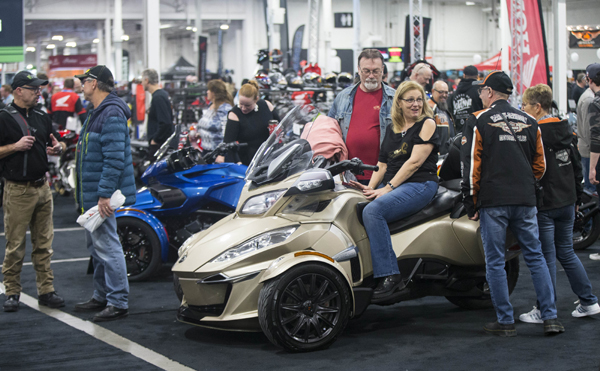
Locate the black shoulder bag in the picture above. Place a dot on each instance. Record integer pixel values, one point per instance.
(25, 129)
(539, 189)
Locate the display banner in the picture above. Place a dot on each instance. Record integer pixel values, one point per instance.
(11, 31)
(297, 48)
(202, 49)
(529, 24)
(407, 35)
(584, 39)
(79, 61)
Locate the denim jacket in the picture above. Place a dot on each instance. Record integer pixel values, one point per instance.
(342, 109)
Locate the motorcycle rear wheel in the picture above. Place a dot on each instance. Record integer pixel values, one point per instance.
(141, 247)
(485, 301)
(585, 236)
(305, 308)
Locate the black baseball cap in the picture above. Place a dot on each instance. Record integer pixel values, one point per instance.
(498, 81)
(470, 71)
(27, 78)
(593, 70)
(100, 73)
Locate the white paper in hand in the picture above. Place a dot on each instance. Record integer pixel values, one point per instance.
(91, 219)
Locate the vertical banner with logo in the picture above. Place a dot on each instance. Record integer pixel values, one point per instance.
(530, 25)
(202, 48)
(11, 31)
(297, 48)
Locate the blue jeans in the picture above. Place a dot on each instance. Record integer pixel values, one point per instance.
(556, 235)
(110, 272)
(405, 200)
(585, 163)
(523, 223)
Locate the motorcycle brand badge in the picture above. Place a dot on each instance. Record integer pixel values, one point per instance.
(463, 141)
(516, 126)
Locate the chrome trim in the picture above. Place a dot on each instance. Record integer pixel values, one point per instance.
(223, 278)
(347, 254)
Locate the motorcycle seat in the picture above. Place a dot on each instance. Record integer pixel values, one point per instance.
(442, 203)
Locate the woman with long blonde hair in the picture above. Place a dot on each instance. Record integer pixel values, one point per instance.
(405, 183)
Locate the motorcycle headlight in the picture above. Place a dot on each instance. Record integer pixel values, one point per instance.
(259, 242)
(261, 203)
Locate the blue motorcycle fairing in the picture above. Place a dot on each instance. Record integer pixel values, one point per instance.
(153, 222)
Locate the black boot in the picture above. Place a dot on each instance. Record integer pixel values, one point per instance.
(499, 329)
(553, 327)
(111, 313)
(12, 303)
(90, 305)
(51, 300)
(388, 286)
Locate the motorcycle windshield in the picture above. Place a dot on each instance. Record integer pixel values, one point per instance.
(283, 154)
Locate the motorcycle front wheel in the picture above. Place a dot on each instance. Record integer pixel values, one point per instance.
(585, 235)
(141, 248)
(485, 300)
(304, 309)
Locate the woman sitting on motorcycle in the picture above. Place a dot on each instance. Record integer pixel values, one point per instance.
(248, 123)
(212, 123)
(405, 183)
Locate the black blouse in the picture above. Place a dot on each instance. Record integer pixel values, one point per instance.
(397, 148)
(252, 128)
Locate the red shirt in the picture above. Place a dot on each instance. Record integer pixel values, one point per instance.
(363, 135)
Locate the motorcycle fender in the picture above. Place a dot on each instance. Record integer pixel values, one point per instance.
(287, 261)
(154, 223)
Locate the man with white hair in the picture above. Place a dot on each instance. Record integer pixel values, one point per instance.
(421, 74)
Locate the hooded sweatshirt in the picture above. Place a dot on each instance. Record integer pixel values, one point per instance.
(563, 179)
(465, 100)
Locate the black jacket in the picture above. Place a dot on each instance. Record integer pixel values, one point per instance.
(160, 117)
(563, 180)
(40, 126)
(465, 100)
(495, 172)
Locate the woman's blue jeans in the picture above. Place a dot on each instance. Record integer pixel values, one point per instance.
(556, 235)
(407, 199)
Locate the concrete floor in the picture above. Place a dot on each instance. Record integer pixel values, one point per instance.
(425, 334)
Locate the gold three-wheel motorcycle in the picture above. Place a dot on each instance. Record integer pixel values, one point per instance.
(294, 259)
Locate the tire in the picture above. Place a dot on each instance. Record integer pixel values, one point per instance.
(177, 288)
(485, 301)
(585, 236)
(291, 304)
(141, 248)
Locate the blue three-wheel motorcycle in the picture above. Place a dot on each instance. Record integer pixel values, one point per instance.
(184, 193)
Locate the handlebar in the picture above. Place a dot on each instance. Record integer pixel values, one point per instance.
(222, 150)
(355, 165)
(369, 167)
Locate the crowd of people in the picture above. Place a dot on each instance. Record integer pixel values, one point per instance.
(505, 157)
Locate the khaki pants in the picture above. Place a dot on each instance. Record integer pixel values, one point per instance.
(28, 206)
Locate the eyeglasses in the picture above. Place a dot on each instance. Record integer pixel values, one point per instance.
(483, 88)
(442, 92)
(412, 100)
(35, 90)
(86, 80)
(375, 72)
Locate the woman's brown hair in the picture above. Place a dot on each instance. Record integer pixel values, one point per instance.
(220, 93)
(398, 122)
(250, 90)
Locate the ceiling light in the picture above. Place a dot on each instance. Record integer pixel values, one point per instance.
(469, 3)
(50, 46)
(29, 66)
(163, 26)
(30, 49)
(71, 44)
(189, 28)
(125, 37)
(57, 37)
(194, 29)
(96, 41)
(224, 26)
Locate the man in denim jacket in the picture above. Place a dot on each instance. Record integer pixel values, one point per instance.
(363, 123)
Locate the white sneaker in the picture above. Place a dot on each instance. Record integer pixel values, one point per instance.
(586, 310)
(595, 256)
(535, 316)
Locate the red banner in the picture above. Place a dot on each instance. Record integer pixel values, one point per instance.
(79, 61)
(528, 25)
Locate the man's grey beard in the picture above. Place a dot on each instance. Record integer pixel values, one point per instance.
(443, 105)
(371, 84)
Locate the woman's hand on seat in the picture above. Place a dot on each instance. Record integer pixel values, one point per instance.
(356, 185)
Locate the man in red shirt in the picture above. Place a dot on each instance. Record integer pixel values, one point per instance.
(65, 104)
(363, 110)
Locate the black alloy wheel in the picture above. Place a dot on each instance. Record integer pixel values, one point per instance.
(585, 234)
(306, 308)
(140, 246)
